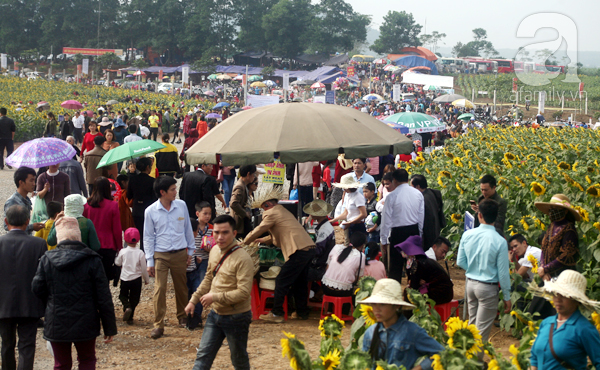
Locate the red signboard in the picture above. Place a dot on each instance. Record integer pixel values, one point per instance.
(160, 75)
(85, 51)
(351, 72)
(514, 84)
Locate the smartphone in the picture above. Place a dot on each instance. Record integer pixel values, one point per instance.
(473, 202)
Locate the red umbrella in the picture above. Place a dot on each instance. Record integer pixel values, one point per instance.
(71, 104)
(246, 107)
(139, 73)
(317, 85)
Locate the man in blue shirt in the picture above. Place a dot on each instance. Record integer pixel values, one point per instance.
(483, 253)
(169, 246)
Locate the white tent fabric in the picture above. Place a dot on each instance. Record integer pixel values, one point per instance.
(423, 79)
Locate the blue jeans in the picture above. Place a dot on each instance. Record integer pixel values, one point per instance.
(373, 237)
(228, 181)
(194, 279)
(233, 327)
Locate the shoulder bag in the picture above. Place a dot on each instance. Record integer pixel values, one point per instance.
(563, 363)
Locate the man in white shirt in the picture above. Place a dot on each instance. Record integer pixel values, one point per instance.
(519, 251)
(78, 123)
(403, 215)
(132, 135)
(439, 249)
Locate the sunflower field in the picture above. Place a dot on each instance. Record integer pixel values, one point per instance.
(530, 165)
(30, 122)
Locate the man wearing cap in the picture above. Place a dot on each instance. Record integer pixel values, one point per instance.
(483, 254)
(297, 247)
(78, 126)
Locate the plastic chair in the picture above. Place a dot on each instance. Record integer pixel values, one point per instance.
(445, 310)
(266, 294)
(338, 303)
(255, 300)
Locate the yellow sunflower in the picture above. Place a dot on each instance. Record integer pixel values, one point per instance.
(428, 172)
(585, 215)
(564, 166)
(493, 365)
(534, 263)
(597, 225)
(331, 360)
(593, 191)
(590, 169)
(445, 174)
(456, 218)
(596, 320)
(449, 155)
(459, 188)
(520, 181)
(510, 156)
(515, 352)
(537, 188)
(578, 186)
(587, 178)
(531, 156)
(524, 224)
(563, 146)
(461, 333)
(457, 162)
(286, 350)
(437, 362)
(366, 312)
(440, 182)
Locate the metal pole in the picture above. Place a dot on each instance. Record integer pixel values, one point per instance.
(246, 88)
(98, 40)
(298, 188)
(494, 101)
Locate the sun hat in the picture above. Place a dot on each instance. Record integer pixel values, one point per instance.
(266, 193)
(74, 204)
(105, 122)
(386, 291)
(570, 284)
(67, 228)
(318, 208)
(132, 235)
(347, 182)
(267, 280)
(412, 246)
(560, 201)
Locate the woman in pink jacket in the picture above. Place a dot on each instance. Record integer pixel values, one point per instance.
(104, 213)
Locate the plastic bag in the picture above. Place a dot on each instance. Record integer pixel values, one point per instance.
(40, 214)
(294, 194)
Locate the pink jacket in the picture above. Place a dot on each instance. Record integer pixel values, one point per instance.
(107, 221)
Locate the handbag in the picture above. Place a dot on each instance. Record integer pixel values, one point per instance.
(40, 214)
(294, 194)
(562, 363)
(220, 176)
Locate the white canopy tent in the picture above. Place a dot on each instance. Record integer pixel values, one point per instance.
(423, 79)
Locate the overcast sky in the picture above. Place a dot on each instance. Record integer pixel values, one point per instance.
(501, 19)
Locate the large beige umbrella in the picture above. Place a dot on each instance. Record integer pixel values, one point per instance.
(463, 103)
(298, 132)
(258, 84)
(223, 77)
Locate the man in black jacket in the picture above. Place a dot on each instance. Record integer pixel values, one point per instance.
(434, 210)
(141, 190)
(20, 310)
(199, 186)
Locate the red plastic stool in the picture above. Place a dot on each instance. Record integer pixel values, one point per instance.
(255, 300)
(321, 195)
(338, 303)
(266, 294)
(445, 310)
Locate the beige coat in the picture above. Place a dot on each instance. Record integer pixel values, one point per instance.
(286, 232)
(232, 285)
(90, 161)
(238, 204)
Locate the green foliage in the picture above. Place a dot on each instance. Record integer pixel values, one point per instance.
(140, 63)
(557, 114)
(286, 27)
(425, 317)
(399, 30)
(268, 71)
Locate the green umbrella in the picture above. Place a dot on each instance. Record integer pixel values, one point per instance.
(254, 78)
(129, 150)
(417, 122)
(212, 77)
(466, 116)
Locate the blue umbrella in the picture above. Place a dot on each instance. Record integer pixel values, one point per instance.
(221, 105)
(406, 100)
(396, 126)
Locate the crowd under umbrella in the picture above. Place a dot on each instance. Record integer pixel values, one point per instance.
(417, 122)
(129, 150)
(41, 152)
(448, 98)
(71, 104)
(221, 105)
(301, 132)
(258, 84)
(254, 78)
(223, 77)
(370, 97)
(270, 83)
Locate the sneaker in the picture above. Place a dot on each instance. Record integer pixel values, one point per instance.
(127, 314)
(295, 316)
(130, 322)
(272, 318)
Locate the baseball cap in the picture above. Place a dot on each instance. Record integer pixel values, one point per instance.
(132, 235)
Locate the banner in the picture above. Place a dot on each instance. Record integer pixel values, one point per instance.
(542, 101)
(185, 74)
(286, 81)
(422, 79)
(257, 101)
(330, 97)
(514, 84)
(4, 61)
(275, 173)
(85, 51)
(397, 92)
(319, 99)
(351, 72)
(85, 64)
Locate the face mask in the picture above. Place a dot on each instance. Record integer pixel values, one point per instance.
(557, 214)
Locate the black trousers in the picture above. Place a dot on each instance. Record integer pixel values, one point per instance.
(138, 221)
(397, 262)
(130, 293)
(7, 144)
(294, 276)
(108, 262)
(27, 329)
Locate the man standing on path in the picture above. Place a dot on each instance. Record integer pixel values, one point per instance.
(483, 254)
(298, 250)
(238, 205)
(403, 216)
(91, 160)
(487, 185)
(434, 220)
(200, 186)
(226, 289)
(78, 126)
(7, 135)
(25, 181)
(153, 123)
(169, 246)
(20, 309)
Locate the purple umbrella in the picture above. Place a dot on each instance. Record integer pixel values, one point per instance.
(213, 115)
(41, 153)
